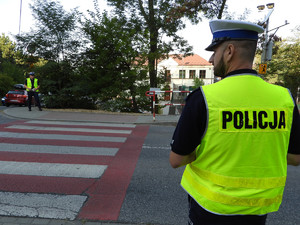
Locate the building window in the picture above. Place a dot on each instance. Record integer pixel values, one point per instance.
(168, 76)
(192, 74)
(182, 74)
(202, 74)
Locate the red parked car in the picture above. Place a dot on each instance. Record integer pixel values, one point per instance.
(16, 97)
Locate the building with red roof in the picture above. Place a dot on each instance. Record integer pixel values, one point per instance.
(181, 71)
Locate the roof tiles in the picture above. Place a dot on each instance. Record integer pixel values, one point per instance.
(192, 60)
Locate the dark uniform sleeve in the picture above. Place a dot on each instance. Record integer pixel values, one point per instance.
(191, 125)
(294, 145)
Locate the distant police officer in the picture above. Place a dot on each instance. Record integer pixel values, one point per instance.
(32, 87)
(235, 136)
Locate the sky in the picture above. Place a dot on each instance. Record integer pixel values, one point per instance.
(199, 36)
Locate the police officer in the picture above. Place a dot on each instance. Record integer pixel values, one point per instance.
(236, 136)
(32, 87)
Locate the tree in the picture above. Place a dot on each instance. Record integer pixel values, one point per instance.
(55, 41)
(5, 83)
(7, 48)
(163, 18)
(10, 62)
(198, 83)
(53, 37)
(113, 63)
(285, 63)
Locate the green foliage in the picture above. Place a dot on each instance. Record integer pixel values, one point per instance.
(164, 18)
(125, 103)
(113, 64)
(14, 71)
(284, 67)
(197, 83)
(7, 48)
(60, 86)
(53, 47)
(6, 83)
(9, 60)
(54, 36)
(68, 101)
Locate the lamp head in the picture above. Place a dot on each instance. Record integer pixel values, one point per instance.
(270, 5)
(261, 7)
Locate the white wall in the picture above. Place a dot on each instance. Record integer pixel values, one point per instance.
(172, 65)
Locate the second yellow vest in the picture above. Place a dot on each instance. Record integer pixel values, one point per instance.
(35, 84)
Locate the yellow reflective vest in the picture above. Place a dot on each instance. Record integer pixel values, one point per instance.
(241, 163)
(35, 84)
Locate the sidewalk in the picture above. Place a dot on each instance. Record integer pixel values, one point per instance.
(79, 116)
(89, 116)
(5, 220)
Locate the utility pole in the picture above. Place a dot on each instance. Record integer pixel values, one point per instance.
(20, 19)
(268, 42)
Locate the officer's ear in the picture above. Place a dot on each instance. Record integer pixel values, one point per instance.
(229, 52)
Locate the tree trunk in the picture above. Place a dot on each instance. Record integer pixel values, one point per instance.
(222, 9)
(153, 45)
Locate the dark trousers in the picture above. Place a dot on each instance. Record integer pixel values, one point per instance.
(199, 216)
(36, 97)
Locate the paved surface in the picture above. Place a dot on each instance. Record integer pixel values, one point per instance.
(23, 113)
(51, 115)
(288, 213)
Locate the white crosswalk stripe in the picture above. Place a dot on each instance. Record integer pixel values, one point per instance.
(51, 169)
(81, 123)
(40, 205)
(61, 137)
(108, 131)
(74, 150)
(53, 205)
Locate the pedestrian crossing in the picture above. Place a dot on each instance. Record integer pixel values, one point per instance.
(81, 137)
(7, 147)
(71, 166)
(108, 131)
(52, 169)
(37, 205)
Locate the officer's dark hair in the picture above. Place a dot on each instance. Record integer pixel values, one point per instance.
(245, 48)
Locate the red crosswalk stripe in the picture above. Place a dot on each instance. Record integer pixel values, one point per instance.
(105, 194)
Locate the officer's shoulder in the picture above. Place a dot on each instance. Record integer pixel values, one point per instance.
(194, 94)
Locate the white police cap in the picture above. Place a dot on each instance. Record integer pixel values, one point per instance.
(224, 30)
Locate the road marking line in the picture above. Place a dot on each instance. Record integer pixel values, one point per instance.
(82, 123)
(52, 169)
(70, 129)
(73, 150)
(61, 137)
(41, 205)
(156, 147)
(106, 200)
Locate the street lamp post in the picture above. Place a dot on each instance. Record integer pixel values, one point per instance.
(268, 43)
(20, 19)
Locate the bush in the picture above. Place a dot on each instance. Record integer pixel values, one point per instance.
(122, 104)
(71, 102)
(6, 83)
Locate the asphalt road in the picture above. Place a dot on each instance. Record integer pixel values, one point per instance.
(3, 117)
(154, 195)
